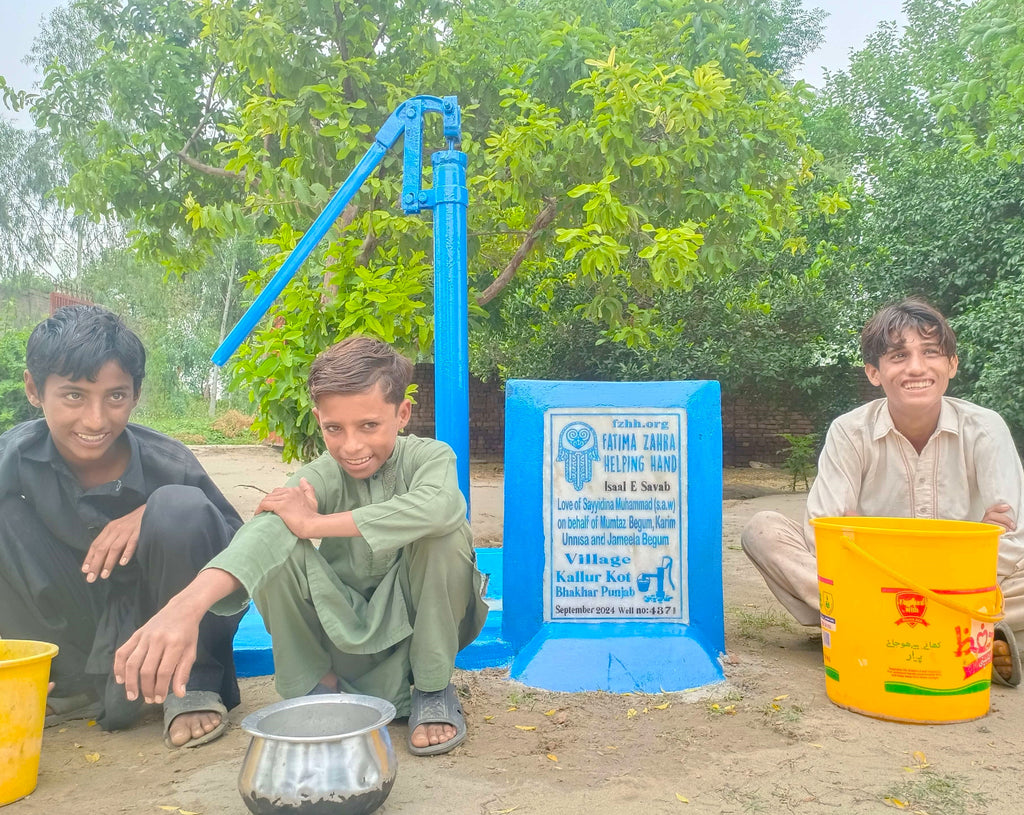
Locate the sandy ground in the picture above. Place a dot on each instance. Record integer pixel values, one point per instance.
(767, 740)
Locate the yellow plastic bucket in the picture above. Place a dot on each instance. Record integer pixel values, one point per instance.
(908, 607)
(24, 676)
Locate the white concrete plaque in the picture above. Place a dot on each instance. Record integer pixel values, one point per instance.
(615, 515)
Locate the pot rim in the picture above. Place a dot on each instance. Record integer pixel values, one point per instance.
(385, 710)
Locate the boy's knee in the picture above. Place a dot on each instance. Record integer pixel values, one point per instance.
(761, 531)
(289, 580)
(177, 514)
(445, 546)
(445, 552)
(171, 500)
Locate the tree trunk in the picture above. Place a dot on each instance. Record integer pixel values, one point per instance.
(215, 369)
(545, 217)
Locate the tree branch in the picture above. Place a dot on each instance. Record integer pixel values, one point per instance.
(207, 112)
(366, 248)
(203, 120)
(546, 216)
(195, 164)
(342, 45)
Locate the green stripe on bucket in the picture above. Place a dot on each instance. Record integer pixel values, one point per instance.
(831, 673)
(918, 690)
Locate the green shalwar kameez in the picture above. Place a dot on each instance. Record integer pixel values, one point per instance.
(382, 610)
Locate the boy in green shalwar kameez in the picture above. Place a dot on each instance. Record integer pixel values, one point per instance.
(390, 595)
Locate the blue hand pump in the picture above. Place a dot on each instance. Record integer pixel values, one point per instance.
(448, 198)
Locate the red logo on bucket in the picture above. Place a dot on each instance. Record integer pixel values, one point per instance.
(973, 667)
(911, 607)
(975, 642)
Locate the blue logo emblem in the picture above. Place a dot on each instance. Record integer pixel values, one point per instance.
(577, 450)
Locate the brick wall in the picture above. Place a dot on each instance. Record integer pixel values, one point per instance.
(28, 307)
(750, 430)
(486, 413)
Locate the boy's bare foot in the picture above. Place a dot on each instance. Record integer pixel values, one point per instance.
(427, 734)
(437, 723)
(194, 719)
(1001, 659)
(188, 726)
(330, 680)
(424, 735)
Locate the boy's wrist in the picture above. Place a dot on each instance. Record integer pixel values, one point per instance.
(336, 525)
(209, 586)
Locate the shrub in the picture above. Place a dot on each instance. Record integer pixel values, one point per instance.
(800, 456)
(14, 407)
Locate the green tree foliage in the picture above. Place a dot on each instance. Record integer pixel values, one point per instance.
(134, 98)
(925, 120)
(14, 407)
(984, 103)
(990, 336)
(782, 338)
(177, 317)
(653, 155)
(626, 150)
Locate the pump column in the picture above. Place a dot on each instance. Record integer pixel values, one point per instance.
(451, 308)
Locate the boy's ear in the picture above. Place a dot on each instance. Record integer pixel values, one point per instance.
(954, 363)
(404, 413)
(35, 398)
(874, 377)
(316, 414)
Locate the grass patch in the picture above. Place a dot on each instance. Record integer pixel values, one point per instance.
(938, 794)
(754, 623)
(518, 698)
(787, 714)
(194, 425)
(747, 800)
(783, 719)
(723, 704)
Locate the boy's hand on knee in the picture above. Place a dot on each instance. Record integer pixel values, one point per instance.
(1001, 515)
(114, 546)
(296, 506)
(158, 656)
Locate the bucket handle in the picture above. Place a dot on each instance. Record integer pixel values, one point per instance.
(981, 616)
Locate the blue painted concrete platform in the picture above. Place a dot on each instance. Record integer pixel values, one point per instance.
(253, 655)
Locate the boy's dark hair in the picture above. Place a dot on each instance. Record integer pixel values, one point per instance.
(79, 340)
(355, 365)
(885, 330)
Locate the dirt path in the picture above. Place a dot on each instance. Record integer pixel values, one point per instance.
(766, 741)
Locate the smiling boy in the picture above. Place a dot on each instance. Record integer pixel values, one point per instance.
(101, 522)
(390, 594)
(916, 453)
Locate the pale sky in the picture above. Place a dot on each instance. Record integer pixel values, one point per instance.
(20, 22)
(847, 26)
(849, 22)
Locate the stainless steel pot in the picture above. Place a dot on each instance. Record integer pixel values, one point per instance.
(319, 755)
